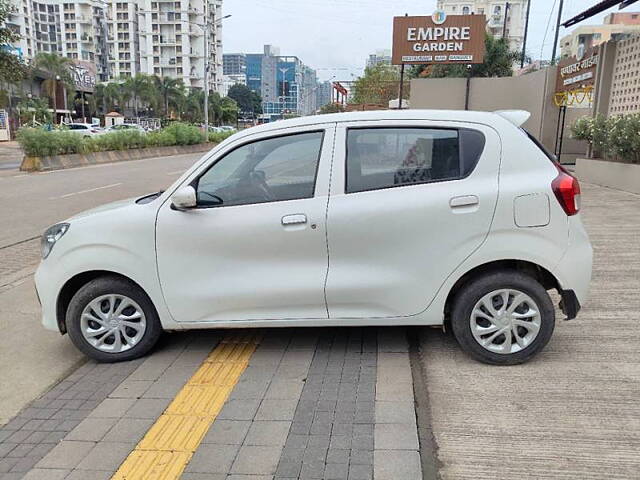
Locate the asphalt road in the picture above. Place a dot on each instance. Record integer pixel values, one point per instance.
(30, 202)
(31, 358)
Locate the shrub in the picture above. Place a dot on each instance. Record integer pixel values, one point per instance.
(616, 137)
(218, 137)
(37, 142)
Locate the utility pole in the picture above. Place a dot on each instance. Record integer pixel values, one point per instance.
(206, 70)
(506, 16)
(526, 30)
(555, 40)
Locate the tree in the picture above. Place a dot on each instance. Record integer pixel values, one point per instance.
(12, 68)
(170, 91)
(57, 68)
(331, 108)
(498, 62)
(247, 100)
(379, 84)
(34, 111)
(139, 87)
(228, 110)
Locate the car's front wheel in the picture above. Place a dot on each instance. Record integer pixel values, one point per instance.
(503, 318)
(111, 319)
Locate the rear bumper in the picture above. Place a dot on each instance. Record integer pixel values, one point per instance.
(569, 304)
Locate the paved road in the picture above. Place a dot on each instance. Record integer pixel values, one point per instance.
(30, 356)
(574, 411)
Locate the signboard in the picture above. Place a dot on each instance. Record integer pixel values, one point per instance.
(84, 75)
(438, 39)
(577, 72)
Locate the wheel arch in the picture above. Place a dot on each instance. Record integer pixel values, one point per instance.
(75, 283)
(541, 274)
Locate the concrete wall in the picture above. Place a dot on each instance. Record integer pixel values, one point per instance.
(621, 176)
(532, 92)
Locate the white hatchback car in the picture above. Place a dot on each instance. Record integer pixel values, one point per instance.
(85, 129)
(371, 218)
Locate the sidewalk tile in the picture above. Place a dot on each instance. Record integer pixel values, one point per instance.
(227, 432)
(268, 433)
(211, 458)
(277, 409)
(131, 389)
(90, 475)
(67, 454)
(256, 460)
(91, 429)
(397, 465)
(147, 408)
(396, 436)
(46, 474)
(402, 411)
(106, 456)
(239, 409)
(112, 408)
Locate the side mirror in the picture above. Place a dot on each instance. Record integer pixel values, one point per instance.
(184, 198)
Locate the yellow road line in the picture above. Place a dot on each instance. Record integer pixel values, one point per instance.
(171, 441)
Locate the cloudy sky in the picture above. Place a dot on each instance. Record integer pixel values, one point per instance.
(336, 36)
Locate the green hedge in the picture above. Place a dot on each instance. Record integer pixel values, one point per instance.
(39, 143)
(614, 138)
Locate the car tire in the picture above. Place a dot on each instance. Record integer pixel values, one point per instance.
(111, 319)
(481, 322)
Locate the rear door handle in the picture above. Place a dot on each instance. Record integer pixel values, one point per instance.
(295, 219)
(464, 201)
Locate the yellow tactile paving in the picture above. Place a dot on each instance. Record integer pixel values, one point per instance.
(169, 444)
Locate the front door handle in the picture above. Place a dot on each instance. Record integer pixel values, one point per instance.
(296, 219)
(464, 201)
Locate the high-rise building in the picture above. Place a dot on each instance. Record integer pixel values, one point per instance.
(324, 94)
(234, 63)
(122, 38)
(381, 56)
(504, 18)
(287, 85)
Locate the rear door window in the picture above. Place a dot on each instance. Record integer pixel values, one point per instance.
(379, 158)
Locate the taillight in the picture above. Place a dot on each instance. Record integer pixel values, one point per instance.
(567, 191)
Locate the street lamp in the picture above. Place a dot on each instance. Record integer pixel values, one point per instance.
(205, 26)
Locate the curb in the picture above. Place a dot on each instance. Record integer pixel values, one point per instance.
(58, 162)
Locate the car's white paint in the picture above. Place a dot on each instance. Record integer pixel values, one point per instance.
(373, 258)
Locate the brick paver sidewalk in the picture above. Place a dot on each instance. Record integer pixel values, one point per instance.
(311, 404)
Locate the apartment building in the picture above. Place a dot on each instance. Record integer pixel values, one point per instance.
(504, 18)
(587, 36)
(123, 38)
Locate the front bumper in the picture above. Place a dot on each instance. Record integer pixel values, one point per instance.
(47, 292)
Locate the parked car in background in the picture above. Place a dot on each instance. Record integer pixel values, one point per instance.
(227, 128)
(411, 217)
(85, 129)
(125, 126)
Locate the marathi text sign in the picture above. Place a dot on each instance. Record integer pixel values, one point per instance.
(577, 72)
(438, 39)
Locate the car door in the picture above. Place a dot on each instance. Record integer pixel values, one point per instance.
(409, 202)
(255, 247)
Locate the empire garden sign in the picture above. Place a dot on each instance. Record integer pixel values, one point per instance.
(438, 39)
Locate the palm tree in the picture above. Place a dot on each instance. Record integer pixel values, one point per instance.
(229, 110)
(170, 91)
(58, 69)
(139, 86)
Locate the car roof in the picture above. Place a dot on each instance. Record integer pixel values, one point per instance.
(488, 118)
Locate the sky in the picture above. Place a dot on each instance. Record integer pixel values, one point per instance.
(335, 37)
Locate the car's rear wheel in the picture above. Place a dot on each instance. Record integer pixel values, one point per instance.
(111, 319)
(503, 318)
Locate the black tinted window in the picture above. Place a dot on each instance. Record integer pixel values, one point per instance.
(392, 157)
(271, 170)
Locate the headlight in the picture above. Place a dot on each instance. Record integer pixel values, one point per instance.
(51, 236)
